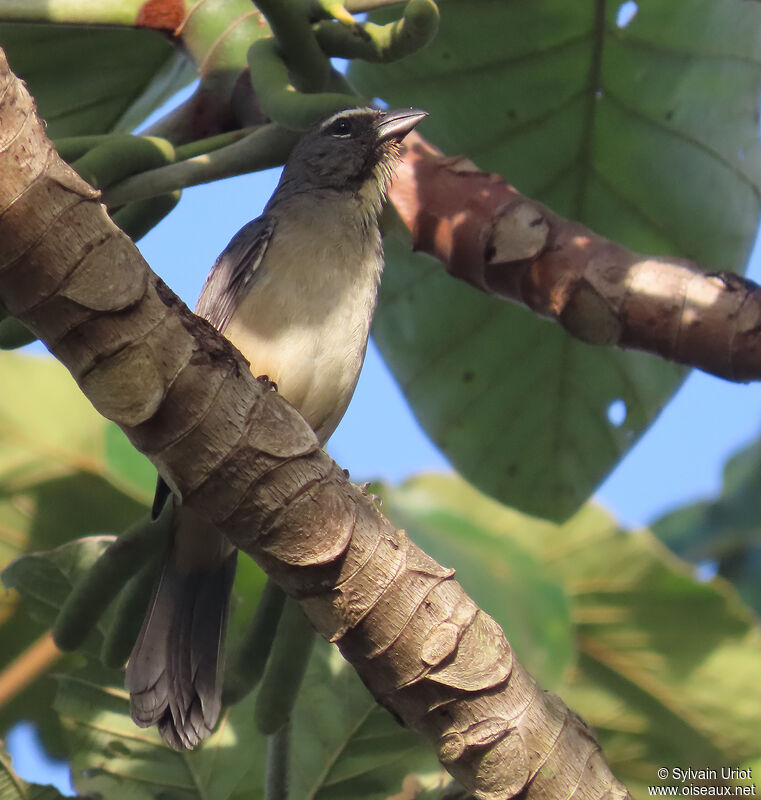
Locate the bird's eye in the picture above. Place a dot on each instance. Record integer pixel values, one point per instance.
(342, 127)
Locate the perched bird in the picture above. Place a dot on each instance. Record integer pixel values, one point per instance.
(294, 291)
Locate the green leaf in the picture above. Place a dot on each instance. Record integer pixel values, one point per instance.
(89, 80)
(55, 481)
(127, 464)
(518, 407)
(45, 579)
(115, 758)
(85, 700)
(724, 530)
(668, 670)
(47, 512)
(249, 582)
(346, 746)
(32, 434)
(648, 134)
(505, 578)
(54, 486)
(12, 787)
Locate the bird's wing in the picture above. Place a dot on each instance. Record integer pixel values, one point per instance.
(229, 279)
(233, 271)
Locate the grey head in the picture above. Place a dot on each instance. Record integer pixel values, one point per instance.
(350, 150)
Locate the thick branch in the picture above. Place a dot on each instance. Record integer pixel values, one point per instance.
(488, 234)
(238, 453)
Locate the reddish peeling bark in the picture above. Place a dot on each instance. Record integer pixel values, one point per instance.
(239, 454)
(505, 244)
(161, 15)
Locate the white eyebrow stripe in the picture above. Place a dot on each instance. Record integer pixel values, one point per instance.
(346, 112)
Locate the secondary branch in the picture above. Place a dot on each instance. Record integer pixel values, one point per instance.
(505, 244)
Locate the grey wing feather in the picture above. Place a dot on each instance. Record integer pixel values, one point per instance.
(230, 277)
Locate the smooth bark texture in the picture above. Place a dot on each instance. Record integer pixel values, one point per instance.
(505, 244)
(236, 451)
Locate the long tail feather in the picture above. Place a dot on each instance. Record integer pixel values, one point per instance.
(174, 675)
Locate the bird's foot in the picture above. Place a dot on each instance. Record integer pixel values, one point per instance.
(377, 500)
(265, 379)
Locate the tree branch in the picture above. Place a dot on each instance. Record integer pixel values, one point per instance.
(38, 658)
(238, 453)
(505, 244)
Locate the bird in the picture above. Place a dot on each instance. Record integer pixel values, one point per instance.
(295, 291)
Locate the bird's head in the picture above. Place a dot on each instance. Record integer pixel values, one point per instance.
(354, 149)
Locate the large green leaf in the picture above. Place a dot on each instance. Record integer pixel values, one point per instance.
(673, 663)
(519, 408)
(114, 757)
(647, 133)
(667, 668)
(57, 480)
(88, 80)
(126, 464)
(56, 484)
(63, 470)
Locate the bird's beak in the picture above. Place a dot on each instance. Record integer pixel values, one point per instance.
(398, 123)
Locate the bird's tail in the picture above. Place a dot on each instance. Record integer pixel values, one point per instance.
(175, 671)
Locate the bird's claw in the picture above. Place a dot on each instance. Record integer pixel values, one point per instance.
(375, 499)
(265, 379)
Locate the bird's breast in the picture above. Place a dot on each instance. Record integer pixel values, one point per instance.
(306, 320)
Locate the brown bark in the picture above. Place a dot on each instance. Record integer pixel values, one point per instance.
(237, 452)
(488, 234)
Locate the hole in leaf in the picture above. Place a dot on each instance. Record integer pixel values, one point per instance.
(706, 570)
(626, 13)
(616, 413)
